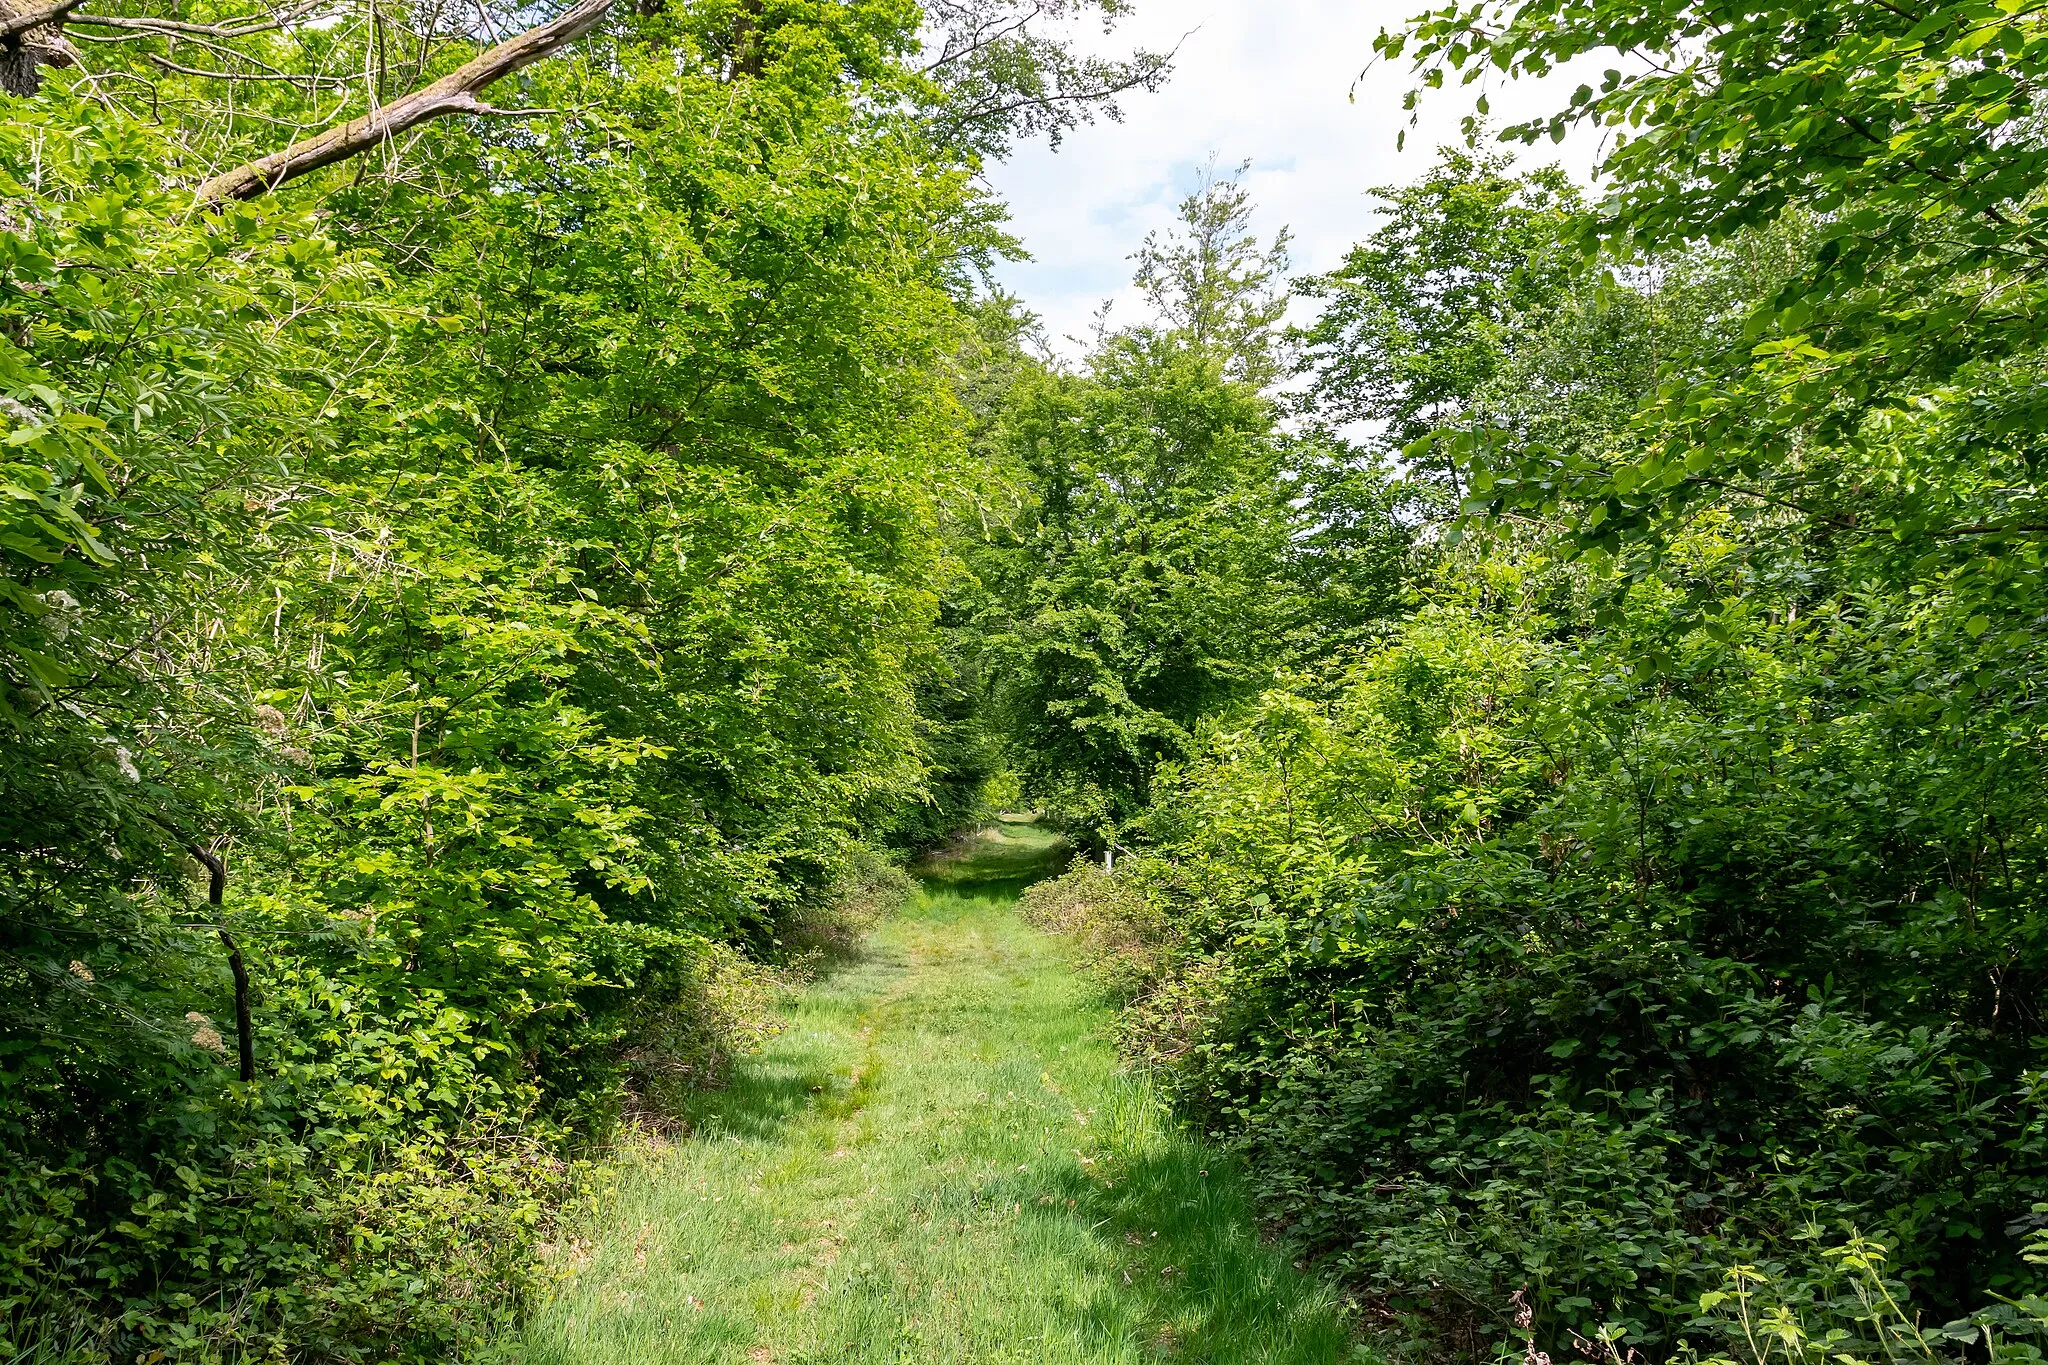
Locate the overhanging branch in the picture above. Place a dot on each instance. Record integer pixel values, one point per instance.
(454, 93)
(233, 28)
(31, 40)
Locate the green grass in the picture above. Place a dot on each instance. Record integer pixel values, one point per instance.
(996, 862)
(939, 1161)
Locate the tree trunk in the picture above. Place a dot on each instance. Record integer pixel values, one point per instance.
(31, 39)
(746, 41)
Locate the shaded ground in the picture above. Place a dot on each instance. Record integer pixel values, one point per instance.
(939, 1161)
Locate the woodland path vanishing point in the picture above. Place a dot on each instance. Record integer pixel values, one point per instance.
(939, 1161)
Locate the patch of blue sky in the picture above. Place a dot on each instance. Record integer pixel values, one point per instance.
(1285, 84)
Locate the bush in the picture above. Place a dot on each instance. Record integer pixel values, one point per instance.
(378, 1196)
(724, 1005)
(722, 1008)
(389, 1186)
(1847, 1309)
(872, 885)
(1513, 970)
(1122, 935)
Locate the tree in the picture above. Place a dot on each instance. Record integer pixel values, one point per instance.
(1886, 154)
(1144, 590)
(1004, 77)
(510, 551)
(998, 70)
(1425, 312)
(1144, 586)
(1211, 283)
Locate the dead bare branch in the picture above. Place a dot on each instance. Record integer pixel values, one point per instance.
(455, 93)
(172, 26)
(308, 81)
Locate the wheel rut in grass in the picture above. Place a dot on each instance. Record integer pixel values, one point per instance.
(939, 1160)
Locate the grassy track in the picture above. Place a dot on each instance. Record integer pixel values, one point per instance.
(938, 1162)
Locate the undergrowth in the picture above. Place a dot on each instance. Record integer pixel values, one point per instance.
(1489, 1012)
(382, 1192)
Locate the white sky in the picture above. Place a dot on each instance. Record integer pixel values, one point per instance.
(1265, 80)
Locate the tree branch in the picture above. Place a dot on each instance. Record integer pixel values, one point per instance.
(245, 1026)
(29, 42)
(454, 93)
(1121, 86)
(11, 30)
(237, 28)
(309, 81)
(978, 40)
(216, 892)
(1995, 529)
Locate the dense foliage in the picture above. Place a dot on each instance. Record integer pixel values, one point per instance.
(517, 556)
(1557, 729)
(1639, 938)
(1175, 543)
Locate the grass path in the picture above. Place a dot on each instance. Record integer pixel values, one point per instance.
(938, 1161)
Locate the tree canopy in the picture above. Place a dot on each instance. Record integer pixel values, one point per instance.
(508, 552)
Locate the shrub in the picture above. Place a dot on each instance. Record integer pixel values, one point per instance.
(722, 1007)
(1122, 934)
(379, 1196)
(872, 885)
(386, 1190)
(1846, 1308)
(1513, 970)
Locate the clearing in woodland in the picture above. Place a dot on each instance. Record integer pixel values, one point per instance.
(939, 1161)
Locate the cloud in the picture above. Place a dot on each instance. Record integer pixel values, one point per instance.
(1283, 83)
